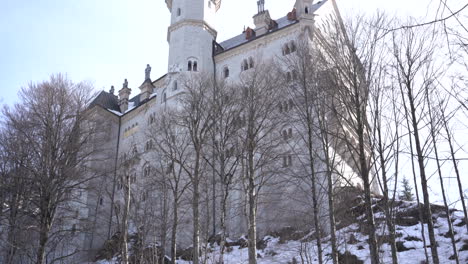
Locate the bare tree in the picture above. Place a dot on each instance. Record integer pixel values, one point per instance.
(225, 158)
(51, 119)
(260, 95)
(195, 118)
(413, 53)
(350, 54)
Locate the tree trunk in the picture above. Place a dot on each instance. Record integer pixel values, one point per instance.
(196, 210)
(252, 213)
(389, 216)
(125, 221)
(175, 218)
(455, 166)
(439, 171)
(422, 171)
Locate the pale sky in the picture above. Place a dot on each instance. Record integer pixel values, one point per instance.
(105, 41)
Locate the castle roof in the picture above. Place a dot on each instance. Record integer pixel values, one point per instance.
(106, 100)
(241, 39)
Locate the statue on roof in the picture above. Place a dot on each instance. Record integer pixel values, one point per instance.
(147, 72)
(111, 91)
(125, 84)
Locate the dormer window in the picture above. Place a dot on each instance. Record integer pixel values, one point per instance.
(226, 72)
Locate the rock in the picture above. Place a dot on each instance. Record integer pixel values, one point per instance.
(348, 258)
(352, 240)
(288, 233)
(262, 244)
(400, 245)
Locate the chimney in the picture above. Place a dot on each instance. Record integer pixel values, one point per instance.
(124, 95)
(146, 88)
(262, 19)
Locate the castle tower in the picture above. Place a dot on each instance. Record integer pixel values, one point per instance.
(304, 8)
(191, 35)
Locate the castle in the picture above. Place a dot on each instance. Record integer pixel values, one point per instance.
(193, 49)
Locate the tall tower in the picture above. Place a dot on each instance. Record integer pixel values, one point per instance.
(191, 35)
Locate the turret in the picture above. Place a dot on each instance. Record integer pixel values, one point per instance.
(124, 95)
(146, 88)
(304, 9)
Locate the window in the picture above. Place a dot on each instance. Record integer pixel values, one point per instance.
(175, 86)
(285, 135)
(149, 145)
(286, 50)
(134, 151)
(247, 64)
(287, 161)
(151, 119)
(280, 106)
(164, 97)
(101, 201)
(226, 72)
(179, 11)
(288, 77)
(292, 47)
(147, 171)
(192, 65)
(294, 75)
(244, 65)
(290, 132)
(289, 48)
(73, 228)
(306, 10)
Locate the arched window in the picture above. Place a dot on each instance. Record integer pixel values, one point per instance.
(147, 171)
(149, 145)
(245, 65)
(294, 75)
(195, 66)
(178, 11)
(226, 72)
(293, 46)
(251, 63)
(286, 50)
(189, 66)
(306, 10)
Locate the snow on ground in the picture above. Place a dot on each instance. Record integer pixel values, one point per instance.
(351, 239)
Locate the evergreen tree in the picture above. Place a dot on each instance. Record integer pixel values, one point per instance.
(406, 193)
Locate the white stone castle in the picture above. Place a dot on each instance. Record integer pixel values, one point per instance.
(193, 48)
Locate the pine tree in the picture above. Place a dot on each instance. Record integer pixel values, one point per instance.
(406, 193)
